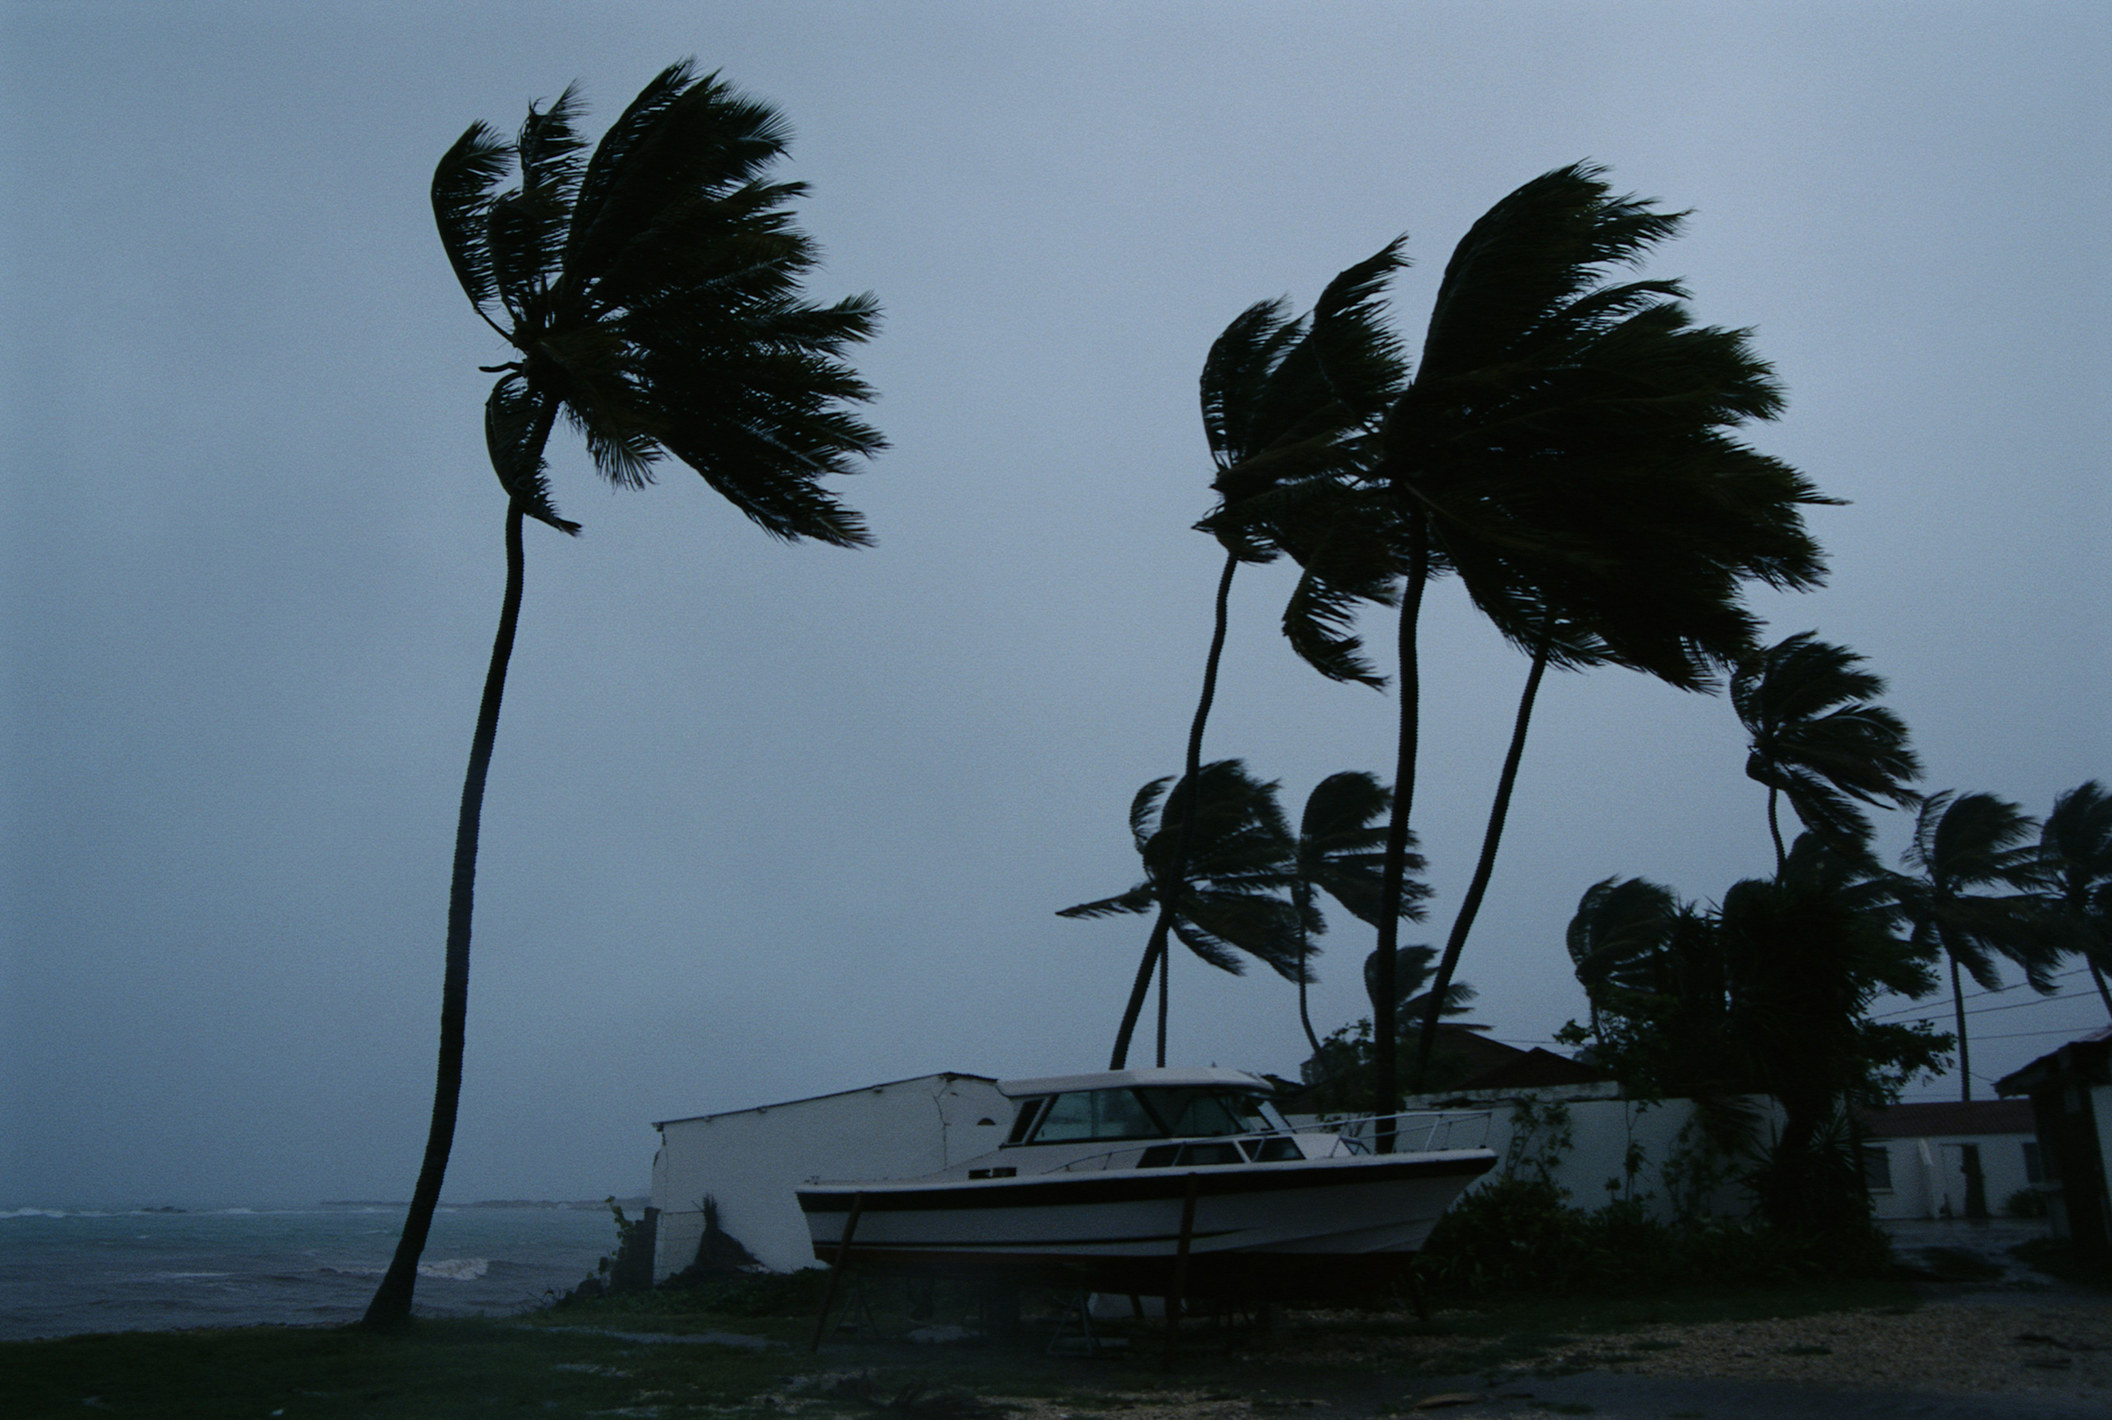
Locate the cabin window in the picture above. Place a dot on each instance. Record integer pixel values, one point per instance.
(1095, 1114)
(1877, 1168)
(1193, 1113)
(2034, 1165)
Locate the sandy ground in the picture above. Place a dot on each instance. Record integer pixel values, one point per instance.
(2018, 1346)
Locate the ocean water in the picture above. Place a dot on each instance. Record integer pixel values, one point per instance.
(64, 1272)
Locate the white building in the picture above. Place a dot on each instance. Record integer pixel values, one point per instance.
(1920, 1159)
(749, 1161)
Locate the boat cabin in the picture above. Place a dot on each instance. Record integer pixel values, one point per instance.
(1207, 1116)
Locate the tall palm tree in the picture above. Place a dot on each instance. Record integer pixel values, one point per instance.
(651, 295)
(1971, 901)
(1230, 897)
(1819, 737)
(1563, 449)
(1283, 401)
(2075, 857)
(1341, 851)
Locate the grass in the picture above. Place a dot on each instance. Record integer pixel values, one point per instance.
(599, 1358)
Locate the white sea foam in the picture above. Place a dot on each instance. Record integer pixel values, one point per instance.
(32, 1213)
(456, 1269)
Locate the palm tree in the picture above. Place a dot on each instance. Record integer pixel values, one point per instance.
(1563, 450)
(1283, 401)
(2075, 856)
(1341, 851)
(1230, 897)
(651, 295)
(1818, 737)
(1971, 901)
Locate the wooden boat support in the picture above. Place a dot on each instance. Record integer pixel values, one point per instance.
(828, 1296)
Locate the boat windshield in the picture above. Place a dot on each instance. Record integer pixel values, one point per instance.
(1095, 1114)
(1192, 1112)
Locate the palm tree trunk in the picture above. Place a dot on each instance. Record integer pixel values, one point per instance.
(1385, 1061)
(1303, 893)
(2099, 977)
(1485, 866)
(391, 1307)
(1774, 828)
(1165, 973)
(1177, 869)
(1965, 1059)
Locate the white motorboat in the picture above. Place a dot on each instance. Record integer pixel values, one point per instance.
(1162, 1182)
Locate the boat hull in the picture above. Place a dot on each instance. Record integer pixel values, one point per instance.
(1292, 1228)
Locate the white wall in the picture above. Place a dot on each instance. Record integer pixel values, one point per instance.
(1593, 1168)
(1928, 1175)
(750, 1161)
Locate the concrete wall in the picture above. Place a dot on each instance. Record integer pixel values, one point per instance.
(1597, 1147)
(751, 1160)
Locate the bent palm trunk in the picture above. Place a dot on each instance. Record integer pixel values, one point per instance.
(1470, 905)
(1385, 1055)
(391, 1307)
(1177, 869)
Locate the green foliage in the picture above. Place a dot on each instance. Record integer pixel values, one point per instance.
(1232, 894)
(1819, 739)
(1519, 1234)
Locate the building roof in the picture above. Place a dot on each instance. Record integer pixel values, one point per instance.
(833, 1094)
(1948, 1118)
(2083, 1058)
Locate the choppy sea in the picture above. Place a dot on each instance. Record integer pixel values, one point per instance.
(64, 1272)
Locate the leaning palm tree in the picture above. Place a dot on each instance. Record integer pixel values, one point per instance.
(1341, 850)
(1230, 899)
(1819, 737)
(1564, 450)
(651, 295)
(1970, 898)
(2075, 859)
(1285, 402)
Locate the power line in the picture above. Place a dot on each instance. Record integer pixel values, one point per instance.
(1929, 1011)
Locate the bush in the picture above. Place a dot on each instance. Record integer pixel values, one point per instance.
(2025, 1203)
(1517, 1234)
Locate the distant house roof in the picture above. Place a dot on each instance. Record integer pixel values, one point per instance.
(1534, 1069)
(2084, 1058)
(1948, 1118)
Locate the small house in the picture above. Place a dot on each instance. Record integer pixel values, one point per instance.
(1948, 1159)
(748, 1161)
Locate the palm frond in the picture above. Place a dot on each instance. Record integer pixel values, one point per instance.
(463, 187)
(1359, 357)
(516, 422)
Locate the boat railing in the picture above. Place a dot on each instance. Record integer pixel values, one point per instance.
(1414, 1132)
(1417, 1131)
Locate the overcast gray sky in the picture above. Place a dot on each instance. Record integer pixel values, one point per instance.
(771, 821)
